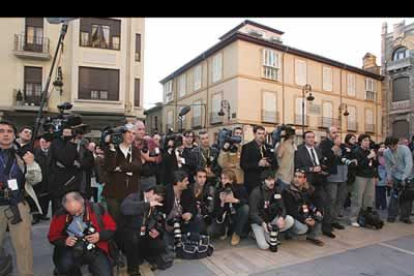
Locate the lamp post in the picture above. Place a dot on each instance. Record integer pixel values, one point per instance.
(305, 90)
(344, 107)
(225, 105)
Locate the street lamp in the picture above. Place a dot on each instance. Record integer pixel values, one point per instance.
(225, 105)
(306, 89)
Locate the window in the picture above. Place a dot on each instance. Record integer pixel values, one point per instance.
(369, 117)
(269, 107)
(168, 91)
(271, 64)
(400, 89)
(181, 86)
(298, 111)
(98, 83)
(197, 77)
(217, 67)
(101, 33)
(183, 123)
(300, 72)
(137, 92)
(215, 108)
(370, 89)
(170, 119)
(352, 118)
(327, 78)
(34, 34)
(351, 85)
(401, 53)
(32, 84)
(138, 47)
(197, 109)
(327, 114)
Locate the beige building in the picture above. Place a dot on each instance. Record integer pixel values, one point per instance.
(260, 81)
(101, 63)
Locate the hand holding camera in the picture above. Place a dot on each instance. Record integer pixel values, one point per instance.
(263, 162)
(71, 241)
(310, 222)
(187, 216)
(28, 158)
(94, 238)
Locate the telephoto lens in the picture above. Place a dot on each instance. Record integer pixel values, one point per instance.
(177, 232)
(273, 237)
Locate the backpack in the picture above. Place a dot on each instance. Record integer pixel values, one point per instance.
(194, 246)
(114, 252)
(370, 218)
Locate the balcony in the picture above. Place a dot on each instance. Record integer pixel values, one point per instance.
(369, 128)
(215, 118)
(400, 64)
(400, 106)
(325, 122)
(271, 117)
(27, 100)
(32, 47)
(370, 96)
(299, 119)
(352, 126)
(196, 122)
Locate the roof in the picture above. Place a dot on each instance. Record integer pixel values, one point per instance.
(277, 46)
(153, 109)
(249, 22)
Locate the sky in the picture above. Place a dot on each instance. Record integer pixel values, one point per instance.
(172, 42)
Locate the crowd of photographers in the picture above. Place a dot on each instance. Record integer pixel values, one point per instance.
(154, 198)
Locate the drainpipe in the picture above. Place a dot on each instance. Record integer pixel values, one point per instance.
(283, 84)
(207, 95)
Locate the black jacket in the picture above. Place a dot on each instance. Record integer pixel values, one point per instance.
(249, 162)
(205, 200)
(44, 161)
(303, 161)
(187, 201)
(238, 191)
(294, 200)
(191, 156)
(365, 168)
(168, 166)
(331, 161)
(265, 205)
(211, 158)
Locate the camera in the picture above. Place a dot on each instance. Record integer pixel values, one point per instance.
(226, 136)
(282, 132)
(155, 221)
(177, 231)
(228, 190)
(115, 135)
(273, 237)
(311, 212)
(405, 190)
(82, 243)
(147, 144)
(55, 125)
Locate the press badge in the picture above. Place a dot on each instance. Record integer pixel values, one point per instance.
(12, 183)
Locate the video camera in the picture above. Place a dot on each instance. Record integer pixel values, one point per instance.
(115, 135)
(55, 125)
(226, 136)
(282, 131)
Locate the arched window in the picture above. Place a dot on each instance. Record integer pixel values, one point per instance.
(400, 53)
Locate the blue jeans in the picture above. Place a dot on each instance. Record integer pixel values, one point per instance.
(282, 185)
(239, 223)
(300, 228)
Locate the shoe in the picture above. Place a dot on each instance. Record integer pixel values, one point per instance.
(406, 220)
(235, 239)
(316, 242)
(338, 226)
(329, 234)
(355, 224)
(391, 220)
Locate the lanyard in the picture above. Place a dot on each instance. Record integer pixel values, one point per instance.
(5, 165)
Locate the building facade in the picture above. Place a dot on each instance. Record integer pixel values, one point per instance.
(397, 67)
(253, 78)
(101, 67)
(153, 119)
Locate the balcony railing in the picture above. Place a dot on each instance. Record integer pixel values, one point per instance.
(352, 126)
(326, 122)
(270, 117)
(370, 128)
(369, 95)
(35, 47)
(196, 122)
(299, 119)
(27, 100)
(215, 118)
(400, 64)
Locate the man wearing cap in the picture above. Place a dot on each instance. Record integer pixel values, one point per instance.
(123, 165)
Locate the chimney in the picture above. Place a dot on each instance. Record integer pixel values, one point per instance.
(369, 62)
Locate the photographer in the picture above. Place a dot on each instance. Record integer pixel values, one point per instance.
(363, 191)
(190, 155)
(285, 154)
(171, 157)
(78, 238)
(17, 175)
(24, 139)
(150, 155)
(122, 162)
(230, 153)
(180, 208)
(299, 204)
(256, 156)
(204, 195)
(207, 158)
(71, 163)
(267, 211)
(231, 209)
(399, 167)
(335, 187)
(141, 233)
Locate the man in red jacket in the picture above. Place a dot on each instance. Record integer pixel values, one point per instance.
(79, 239)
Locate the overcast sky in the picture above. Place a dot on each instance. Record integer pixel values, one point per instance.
(171, 42)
